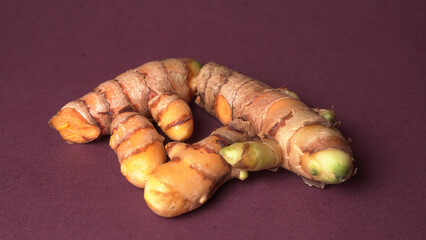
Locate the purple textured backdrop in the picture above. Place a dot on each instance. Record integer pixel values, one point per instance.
(365, 58)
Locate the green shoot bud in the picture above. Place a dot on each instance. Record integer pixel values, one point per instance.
(243, 175)
(252, 155)
(232, 153)
(327, 114)
(329, 165)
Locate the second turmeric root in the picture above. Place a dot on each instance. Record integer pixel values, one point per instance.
(306, 138)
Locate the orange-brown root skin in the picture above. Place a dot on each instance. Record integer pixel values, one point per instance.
(174, 188)
(173, 148)
(271, 113)
(130, 91)
(138, 146)
(137, 167)
(164, 200)
(73, 127)
(176, 121)
(187, 181)
(193, 67)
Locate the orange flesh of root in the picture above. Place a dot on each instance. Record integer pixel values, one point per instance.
(223, 109)
(73, 127)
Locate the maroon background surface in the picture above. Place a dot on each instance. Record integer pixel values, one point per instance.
(365, 58)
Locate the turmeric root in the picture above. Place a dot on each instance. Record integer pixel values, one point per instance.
(309, 143)
(193, 174)
(159, 88)
(138, 146)
(267, 128)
